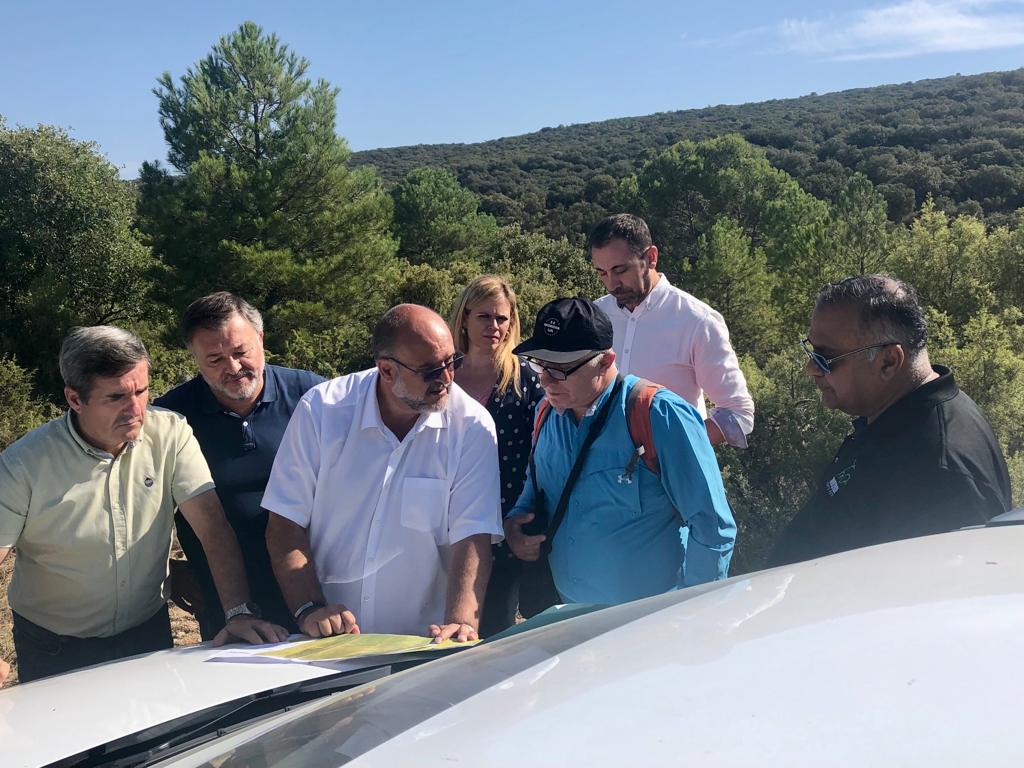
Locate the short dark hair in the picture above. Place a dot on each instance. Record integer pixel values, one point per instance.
(887, 307)
(88, 353)
(622, 226)
(211, 312)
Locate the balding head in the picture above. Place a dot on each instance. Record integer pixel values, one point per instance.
(408, 326)
(415, 355)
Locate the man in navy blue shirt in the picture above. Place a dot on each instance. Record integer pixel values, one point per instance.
(238, 408)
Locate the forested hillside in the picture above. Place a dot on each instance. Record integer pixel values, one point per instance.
(958, 139)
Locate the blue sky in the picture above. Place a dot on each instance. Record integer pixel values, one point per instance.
(426, 72)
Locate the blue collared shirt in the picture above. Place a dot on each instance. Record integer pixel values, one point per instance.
(240, 451)
(619, 540)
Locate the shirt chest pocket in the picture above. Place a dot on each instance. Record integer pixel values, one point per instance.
(425, 506)
(607, 490)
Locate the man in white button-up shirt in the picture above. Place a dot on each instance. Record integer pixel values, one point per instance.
(384, 493)
(665, 334)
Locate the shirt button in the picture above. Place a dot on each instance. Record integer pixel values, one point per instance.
(625, 351)
(245, 423)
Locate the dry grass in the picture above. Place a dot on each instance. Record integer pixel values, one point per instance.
(184, 627)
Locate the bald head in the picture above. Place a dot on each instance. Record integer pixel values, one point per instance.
(409, 327)
(415, 356)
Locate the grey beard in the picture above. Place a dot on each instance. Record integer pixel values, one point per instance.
(250, 389)
(417, 404)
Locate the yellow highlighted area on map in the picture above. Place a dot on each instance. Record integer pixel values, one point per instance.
(341, 647)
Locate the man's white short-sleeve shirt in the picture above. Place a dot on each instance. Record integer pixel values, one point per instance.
(383, 514)
(674, 339)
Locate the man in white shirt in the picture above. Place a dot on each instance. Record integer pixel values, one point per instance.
(384, 495)
(666, 335)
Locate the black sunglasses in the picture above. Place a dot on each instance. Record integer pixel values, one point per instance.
(434, 373)
(559, 374)
(825, 363)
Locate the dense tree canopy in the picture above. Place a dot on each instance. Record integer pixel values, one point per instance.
(958, 139)
(436, 218)
(264, 202)
(68, 253)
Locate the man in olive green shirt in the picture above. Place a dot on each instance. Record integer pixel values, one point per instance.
(88, 500)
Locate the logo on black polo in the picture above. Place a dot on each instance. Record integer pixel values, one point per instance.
(552, 326)
(841, 479)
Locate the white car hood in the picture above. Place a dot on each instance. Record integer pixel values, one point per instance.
(902, 654)
(60, 716)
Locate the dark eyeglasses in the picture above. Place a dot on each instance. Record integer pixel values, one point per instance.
(825, 363)
(559, 374)
(434, 373)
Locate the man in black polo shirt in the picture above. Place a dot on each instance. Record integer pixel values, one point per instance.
(238, 408)
(922, 459)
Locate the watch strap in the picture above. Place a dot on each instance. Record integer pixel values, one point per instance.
(247, 608)
(307, 606)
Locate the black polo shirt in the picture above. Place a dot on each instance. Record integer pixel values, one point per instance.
(928, 464)
(240, 452)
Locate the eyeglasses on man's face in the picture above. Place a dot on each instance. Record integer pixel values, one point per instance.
(558, 374)
(434, 373)
(825, 363)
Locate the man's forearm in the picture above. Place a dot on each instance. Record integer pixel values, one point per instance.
(292, 561)
(206, 517)
(226, 566)
(729, 426)
(467, 580)
(715, 434)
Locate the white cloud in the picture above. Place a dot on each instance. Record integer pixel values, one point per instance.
(902, 29)
(739, 37)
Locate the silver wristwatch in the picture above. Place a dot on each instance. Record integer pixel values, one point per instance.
(248, 608)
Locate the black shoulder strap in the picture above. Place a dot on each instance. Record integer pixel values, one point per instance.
(563, 502)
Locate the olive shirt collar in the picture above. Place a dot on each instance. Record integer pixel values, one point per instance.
(89, 448)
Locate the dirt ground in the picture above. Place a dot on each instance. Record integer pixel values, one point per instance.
(183, 626)
(6, 641)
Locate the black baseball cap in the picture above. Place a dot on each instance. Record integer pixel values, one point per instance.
(566, 330)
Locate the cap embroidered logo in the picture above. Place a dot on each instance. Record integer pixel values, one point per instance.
(552, 326)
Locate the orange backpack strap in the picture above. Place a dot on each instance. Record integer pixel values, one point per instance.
(542, 413)
(638, 418)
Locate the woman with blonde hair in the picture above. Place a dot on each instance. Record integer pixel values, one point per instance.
(485, 328)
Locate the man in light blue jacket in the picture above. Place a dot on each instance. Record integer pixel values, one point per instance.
(620, 536)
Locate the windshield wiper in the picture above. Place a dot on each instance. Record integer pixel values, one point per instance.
(183, 733)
